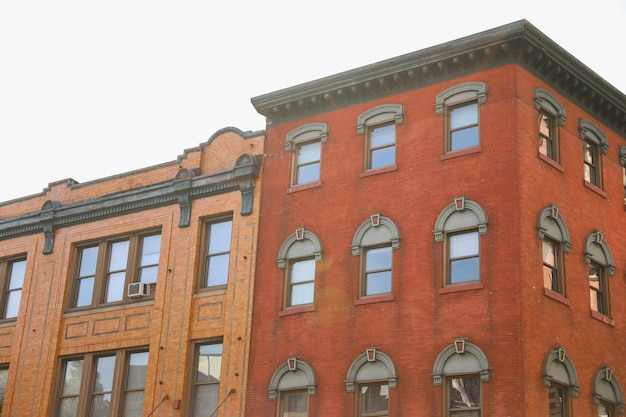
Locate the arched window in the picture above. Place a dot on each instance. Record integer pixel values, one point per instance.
(306, 144)
(601, 265)
(607, 393)
(559, 375)
(461, 368)
(292, 384)
(371, 375)
(459, 226)
(555, 241)
(379, 127)
(460, 105)
(595, 143)
(551, 116)
(298, 255)
(374, 241)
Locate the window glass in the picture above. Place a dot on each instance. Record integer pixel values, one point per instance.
(591, 162)
(117, 271)
(102, 387)
(597, 289)
(135, 384)
(374, 399)
(464, 257)
(206, 386)
(550, 266)
(149, 263)
(294, 403)
(4, 376)
(558, 401)
(605, 409)
(464, 395)
(464, 126)
(302, 276)
(547, 132)
(14, 290)
(218, 256)
(308, 162)
(382, 146)
(377, 271)
(71, 388)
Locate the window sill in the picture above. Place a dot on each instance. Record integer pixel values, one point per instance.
(302, 187)
(601, 317)
(79, 311)
(556, 296)
(462, 152)
(373, 299)
(296, 310)
(8, 322)
(551, 162)
(595, 189)
(207, 292)
(461, 287)
(377, 171)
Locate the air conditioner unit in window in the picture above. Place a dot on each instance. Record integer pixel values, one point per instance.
(138, 289)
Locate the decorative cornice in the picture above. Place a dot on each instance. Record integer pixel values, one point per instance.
(185, 187)
(518, 42)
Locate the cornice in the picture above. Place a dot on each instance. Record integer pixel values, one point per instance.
(186, 186)
(518, 42)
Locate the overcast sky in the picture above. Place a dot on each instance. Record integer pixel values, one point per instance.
(90, 89)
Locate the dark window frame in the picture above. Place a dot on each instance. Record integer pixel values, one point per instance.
(289, 284)
(193, 374)
(600, 293)
(202, 281)
(6, 269)
(370, 149)
(297, 164)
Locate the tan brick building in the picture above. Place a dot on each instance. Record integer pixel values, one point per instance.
(131, 294)
(443, 235)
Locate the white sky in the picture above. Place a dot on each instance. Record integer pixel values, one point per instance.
(90, 89)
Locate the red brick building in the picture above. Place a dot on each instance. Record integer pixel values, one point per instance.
(130, 295)
(442, 235)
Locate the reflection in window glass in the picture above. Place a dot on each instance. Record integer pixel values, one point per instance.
(547, 139)
(382, 146)
(206, 386)
(463, 127)
(135, 384)
(377, 278)
(597, 289)
(549, 251)
(374, 399)
(558, 401)
(591, 163)
(464, 257)
(102, 387)
(294, 403)
(68, 406)
(4, 375)
(464, 396)
(308, 162)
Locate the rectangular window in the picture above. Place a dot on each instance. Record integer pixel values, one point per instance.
(12, 273)
(463, 258)
(463, 130)
(377, 271)
(301, 282)
(307, 164)
(105, 269)
(294, 403)
(558, 401)
(216, 253)
(381, 149)
(598, 291)
(373, 399)
(592, 163)
(103, 385)
(547, 135)
(4, 377)
(206, 382)
(464, 396)
(552, 275)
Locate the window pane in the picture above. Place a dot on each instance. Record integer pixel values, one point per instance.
(383, 157)
(209, 363)
(465, 244)
(378, 283)
(115, 287)
(377, 259)
(464, 392)
(4, 374)
(220, 234)
(557, 401)
(13, 303)
(137, 365)
(119, 256)
(308, 173)
(545, 125)
(302, 294)
(218, 270)
(205, 401)
(309, 152)
(302, 271)
(294, 403)
(104, 374)
(149, 275)
(383, 135)
(17, 274)
(84, 291)
(88, 260)
(69, 407)
(73, 375)
(464, 270)
(374, 398)
(133, 404)
(101, 406)
(150, 250)
(464, 116)
(465, 138)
